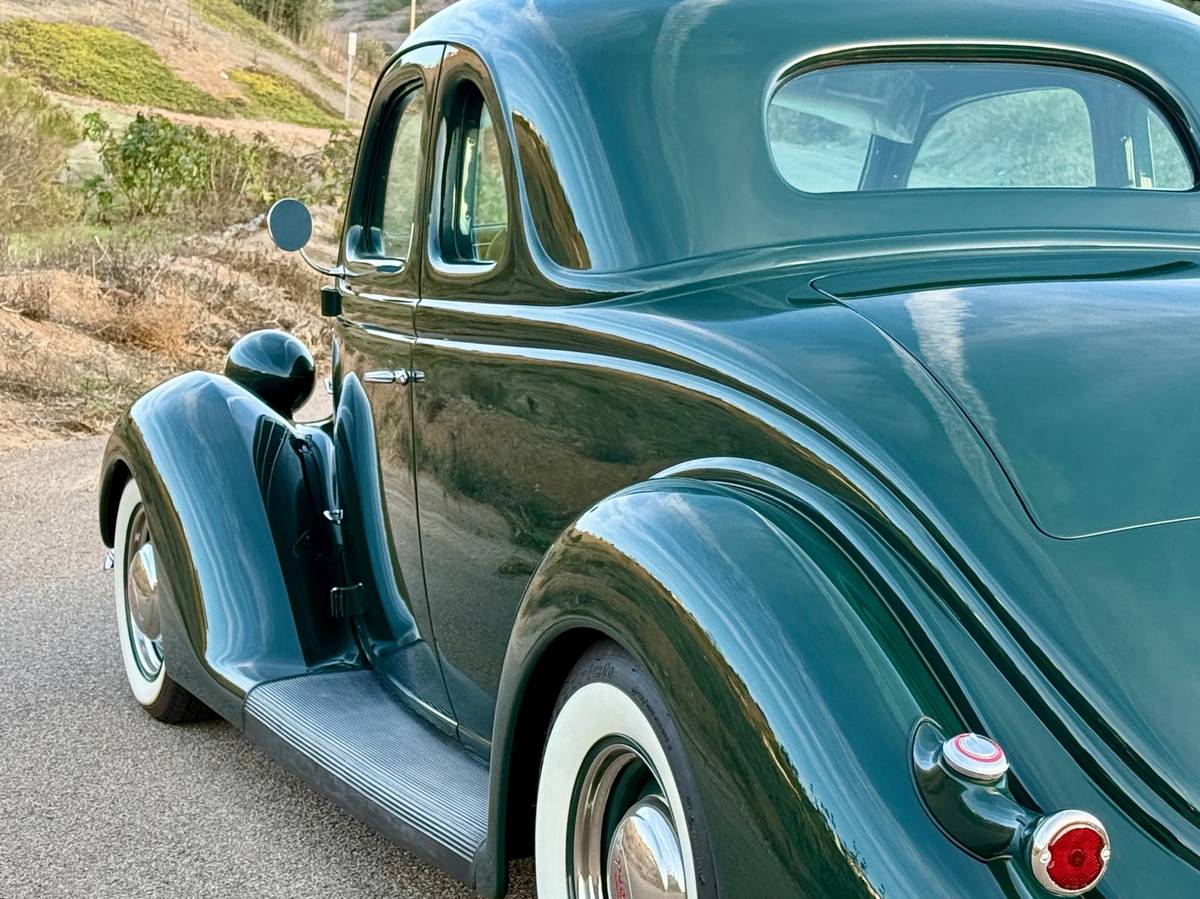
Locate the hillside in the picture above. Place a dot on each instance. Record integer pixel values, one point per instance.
(141, 143)
(202, 42)
(386, 20)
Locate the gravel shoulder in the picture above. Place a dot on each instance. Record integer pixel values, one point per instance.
(99, 800)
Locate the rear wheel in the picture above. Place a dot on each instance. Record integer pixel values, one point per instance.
(137, 581)
(617, 814)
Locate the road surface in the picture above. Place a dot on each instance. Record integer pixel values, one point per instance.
(99, 800)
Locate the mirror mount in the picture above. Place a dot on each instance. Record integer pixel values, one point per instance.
(290, 225)
(334, 271)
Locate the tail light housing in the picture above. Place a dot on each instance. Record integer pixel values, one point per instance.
(1069, 852)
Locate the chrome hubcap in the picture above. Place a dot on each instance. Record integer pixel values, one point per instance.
(141, 598)
(624, 844)
(645, 861)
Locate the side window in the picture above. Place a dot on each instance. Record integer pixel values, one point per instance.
(1038, 138)
(401, 179)
(1170, 169)
(474, 215)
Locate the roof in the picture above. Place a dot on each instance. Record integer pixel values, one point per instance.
(651, 111)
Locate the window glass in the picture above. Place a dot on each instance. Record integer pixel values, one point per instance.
(403, 179)
(814, 153)
(1171, 170)
(1040, 138)
(476, 220)
(913, 125)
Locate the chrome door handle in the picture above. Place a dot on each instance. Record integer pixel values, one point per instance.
(401, 376)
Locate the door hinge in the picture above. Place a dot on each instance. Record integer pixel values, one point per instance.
(346, 602)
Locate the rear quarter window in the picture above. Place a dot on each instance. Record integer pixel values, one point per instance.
(930, 125)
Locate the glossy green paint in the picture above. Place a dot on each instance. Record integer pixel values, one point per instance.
(813, 460)
(643, 144)
(228, 484)
(983, 818)
(275, 367)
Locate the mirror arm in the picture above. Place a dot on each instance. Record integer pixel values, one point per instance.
(336, 271)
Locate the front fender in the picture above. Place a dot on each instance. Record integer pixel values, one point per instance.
(794, 688)
(235, 522)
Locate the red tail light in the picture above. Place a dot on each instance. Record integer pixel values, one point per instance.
(1069, 853)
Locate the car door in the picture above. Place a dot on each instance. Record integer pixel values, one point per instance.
(476, 571)
(386, 216)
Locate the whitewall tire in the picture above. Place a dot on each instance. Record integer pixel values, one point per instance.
(138, 581)
(144, 682)
(611, 798)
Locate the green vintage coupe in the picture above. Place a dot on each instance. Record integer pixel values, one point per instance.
(749, 416)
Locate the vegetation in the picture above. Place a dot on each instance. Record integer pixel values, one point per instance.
(298, 19)
(1193, 5)
(154, 167)
(93, 61)
(89, 326)
(270, 95)
(35, 135)
(233, 19)
(378, 9)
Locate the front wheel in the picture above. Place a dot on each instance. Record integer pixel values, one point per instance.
(617, 812)
(137, 583)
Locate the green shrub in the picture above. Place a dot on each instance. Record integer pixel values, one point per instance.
(147, 165)
(93, 61)
(270, 95)
(154, 167)
(35, 135)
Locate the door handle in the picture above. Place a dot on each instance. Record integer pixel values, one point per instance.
(401, 376)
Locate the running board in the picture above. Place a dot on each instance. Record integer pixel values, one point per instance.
(349, 738)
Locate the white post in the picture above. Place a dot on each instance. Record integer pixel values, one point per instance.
(412, 17)
(351, 50)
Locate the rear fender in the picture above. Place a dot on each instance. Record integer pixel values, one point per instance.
(236, 522)
(794, 687)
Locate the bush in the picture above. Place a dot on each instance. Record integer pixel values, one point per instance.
(148, 165)
(154, 166)
(270, 95)
(93, 61)
(35, 135)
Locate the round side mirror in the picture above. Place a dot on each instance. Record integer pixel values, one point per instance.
(290, 225)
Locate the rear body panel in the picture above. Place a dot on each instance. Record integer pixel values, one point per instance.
(1088, 391)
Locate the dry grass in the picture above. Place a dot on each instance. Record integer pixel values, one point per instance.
(89, 328)
(28, 297)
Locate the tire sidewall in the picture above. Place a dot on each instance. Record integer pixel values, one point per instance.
(146, 692)
(609, 694)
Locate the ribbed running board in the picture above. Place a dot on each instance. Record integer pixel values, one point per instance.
(349, 738)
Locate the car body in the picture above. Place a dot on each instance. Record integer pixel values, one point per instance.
(834, 466)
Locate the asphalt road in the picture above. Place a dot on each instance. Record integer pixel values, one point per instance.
(99, 800)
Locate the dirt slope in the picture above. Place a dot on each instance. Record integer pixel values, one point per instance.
(199, 51)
